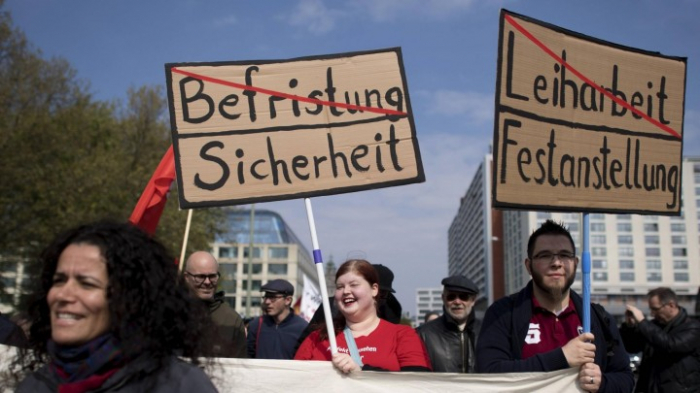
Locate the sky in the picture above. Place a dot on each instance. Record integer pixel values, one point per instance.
(449, 52)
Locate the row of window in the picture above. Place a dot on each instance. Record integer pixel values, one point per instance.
(648, 239)
(272, 252)
(629, 251)
(630, 276)
(651, 264)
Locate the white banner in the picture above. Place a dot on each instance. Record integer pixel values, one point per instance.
(310, 299)
(262, 375)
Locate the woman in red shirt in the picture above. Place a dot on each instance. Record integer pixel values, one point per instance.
(381, 345)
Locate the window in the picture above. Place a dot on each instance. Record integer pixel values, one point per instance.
(599, 264)
(680, 264)
(257, 268)
(600, 276)
(651, 239)
(626, 276)
(624, 227)
(228, 277)
(651, 227)
(227, 252)
(597, 239)
(653, 264)
(255, 301)
(625, 217)
(573, 226)
(626, 264)
(599, 251)
(278, 252)
(597, 216)
(678, 227)
(277, 268)
(598, 227)
(680, 252)
(422, 299)
(256, 252)
(654, 276)
(625, 251)
(624, 239)
(544, 215)
(681, 276)
(678, 239)
(652, 252)
(255, 287)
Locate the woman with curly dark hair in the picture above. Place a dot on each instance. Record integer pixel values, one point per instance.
(112, 314)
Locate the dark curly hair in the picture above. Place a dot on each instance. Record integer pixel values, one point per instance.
(151, 309)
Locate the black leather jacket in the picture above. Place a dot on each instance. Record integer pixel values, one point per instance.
(671, 353)
(450, 349)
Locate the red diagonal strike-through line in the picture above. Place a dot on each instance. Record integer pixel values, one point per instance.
(590, 82)
(286, 95)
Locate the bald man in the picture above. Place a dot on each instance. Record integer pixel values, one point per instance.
(202, 276)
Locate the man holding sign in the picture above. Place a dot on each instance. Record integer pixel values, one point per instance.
(539, 328)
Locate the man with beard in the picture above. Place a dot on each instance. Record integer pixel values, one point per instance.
(670, 343)
(450, 338)
(275, 334)
(202, 276)
(539, 328)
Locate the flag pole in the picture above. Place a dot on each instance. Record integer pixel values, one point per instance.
(586, 274)
(184, 241)
(318, 260)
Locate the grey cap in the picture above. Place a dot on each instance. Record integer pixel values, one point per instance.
(460, 283)
(278, 286)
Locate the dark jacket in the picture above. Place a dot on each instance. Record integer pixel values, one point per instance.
(11, 333)
(671, 354)
(229, 340)
(140, 375)
(503, 331)
(450, 349)
(274, 341)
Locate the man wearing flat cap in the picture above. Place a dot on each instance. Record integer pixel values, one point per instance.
(275, 334)
(451, 338)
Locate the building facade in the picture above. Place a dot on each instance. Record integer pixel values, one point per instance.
(474, 239)
(427, 300)
(277, 253)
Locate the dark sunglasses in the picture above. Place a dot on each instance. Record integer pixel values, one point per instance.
(462, 296)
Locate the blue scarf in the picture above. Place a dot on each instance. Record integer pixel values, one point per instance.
(75, 363)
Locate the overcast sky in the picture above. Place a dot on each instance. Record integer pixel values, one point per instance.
(449, 53)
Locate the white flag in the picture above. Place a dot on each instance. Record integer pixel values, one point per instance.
(310, 299)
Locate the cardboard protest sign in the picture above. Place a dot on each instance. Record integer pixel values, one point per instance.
(585, 125)
(254, 131)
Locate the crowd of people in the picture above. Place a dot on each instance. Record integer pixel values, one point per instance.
(112, 313)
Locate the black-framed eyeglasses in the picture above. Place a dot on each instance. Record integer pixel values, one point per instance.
(272, 298)
(547, 256)
(463, 296)
(200, 278)
(655, 309)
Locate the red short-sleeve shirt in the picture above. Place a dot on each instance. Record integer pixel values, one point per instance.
(548, 331)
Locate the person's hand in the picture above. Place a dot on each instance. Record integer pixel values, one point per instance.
(580, 350)
(344, 363)
(590, 377)
(637, 314)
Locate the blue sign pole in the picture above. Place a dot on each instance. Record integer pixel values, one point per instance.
(586, 276)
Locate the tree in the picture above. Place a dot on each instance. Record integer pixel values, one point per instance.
(67, 159)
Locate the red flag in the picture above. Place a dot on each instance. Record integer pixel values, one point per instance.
(150, 206)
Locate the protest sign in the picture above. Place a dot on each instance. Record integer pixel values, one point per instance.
(255, 131)
(585, 125)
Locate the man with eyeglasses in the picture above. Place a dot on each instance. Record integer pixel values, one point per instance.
(202, 276)
(670, 344)
(450, 338)
(275, 334)
(540, 329)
